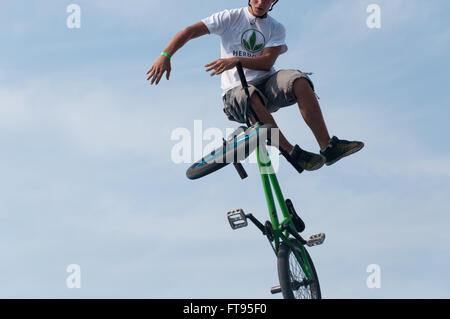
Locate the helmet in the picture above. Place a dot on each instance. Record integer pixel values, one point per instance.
(274, 3)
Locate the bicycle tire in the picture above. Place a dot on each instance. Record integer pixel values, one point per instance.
(289, 281)
(237, 148)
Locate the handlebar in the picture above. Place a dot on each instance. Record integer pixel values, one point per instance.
(248, 107)
(242, 76)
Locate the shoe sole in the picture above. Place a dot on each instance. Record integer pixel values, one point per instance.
(315, 168)
(301, 169)
(353, 151)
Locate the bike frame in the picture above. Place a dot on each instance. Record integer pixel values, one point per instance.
(269, 181)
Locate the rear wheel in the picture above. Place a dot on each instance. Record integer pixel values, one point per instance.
(293, 280)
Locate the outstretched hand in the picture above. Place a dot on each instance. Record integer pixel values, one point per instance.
(161, 65)
(221, 65)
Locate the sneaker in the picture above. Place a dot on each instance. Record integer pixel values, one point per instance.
(303, 160)
(338, 149)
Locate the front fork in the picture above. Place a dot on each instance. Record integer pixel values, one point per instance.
(274, 231)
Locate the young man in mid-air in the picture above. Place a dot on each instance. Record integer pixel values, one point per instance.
(254, 38)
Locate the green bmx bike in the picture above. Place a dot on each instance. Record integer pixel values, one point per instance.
(296, 273)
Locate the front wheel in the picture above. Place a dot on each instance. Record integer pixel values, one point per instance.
(237, 148)
(293, 280)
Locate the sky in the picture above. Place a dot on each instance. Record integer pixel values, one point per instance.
(86, 143)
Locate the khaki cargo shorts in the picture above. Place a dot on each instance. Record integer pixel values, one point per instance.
(276, 91)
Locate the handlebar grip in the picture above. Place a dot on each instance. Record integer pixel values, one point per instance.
(241, 171)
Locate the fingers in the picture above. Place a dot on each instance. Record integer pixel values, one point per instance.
(150, 72)
(158, 77)
(211, 65)
(155, 75)
(217, 72)
(215, 65)
(219, 69)
(148, 78)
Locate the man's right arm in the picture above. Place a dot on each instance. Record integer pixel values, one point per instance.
(182, 37)
(162, 64)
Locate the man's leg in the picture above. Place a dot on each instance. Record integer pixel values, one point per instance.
(311, 112)
(299, 158)
(332, 149)
(267, 118)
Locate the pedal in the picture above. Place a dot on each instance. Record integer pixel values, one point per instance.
(298, 222)
(237, 219)
(316, 240)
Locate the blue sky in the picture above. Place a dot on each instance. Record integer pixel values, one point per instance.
(85, 148)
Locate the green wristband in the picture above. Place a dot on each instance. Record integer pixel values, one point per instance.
(166, 54)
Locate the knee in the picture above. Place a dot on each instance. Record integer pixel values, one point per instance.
(255, 96)
(302, 87)
(256, 100)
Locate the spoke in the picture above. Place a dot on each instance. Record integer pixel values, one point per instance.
(300, 284)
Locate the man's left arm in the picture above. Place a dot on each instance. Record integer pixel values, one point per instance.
(264, 62)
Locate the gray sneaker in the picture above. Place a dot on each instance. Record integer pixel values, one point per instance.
(338, 149)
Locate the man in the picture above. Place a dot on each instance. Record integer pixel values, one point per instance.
(256, 39)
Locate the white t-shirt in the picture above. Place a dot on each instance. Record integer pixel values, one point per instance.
(242, 35)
